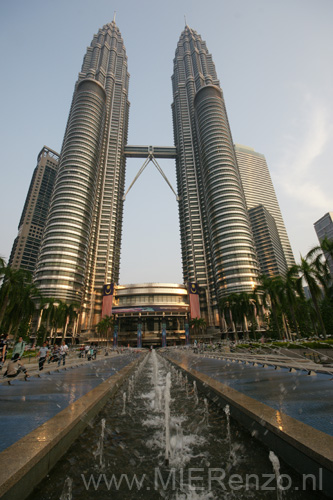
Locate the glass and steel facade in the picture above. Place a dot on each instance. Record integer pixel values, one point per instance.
(31, 226)
(217, 244)
(271, 257)
(151, 305)
(80, 251)
(81, 244)
(259, 190)
(324, 228)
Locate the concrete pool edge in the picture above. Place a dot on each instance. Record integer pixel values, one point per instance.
(30, 459)
(305, 449)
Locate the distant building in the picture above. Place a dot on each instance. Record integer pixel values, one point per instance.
(30, 230)
(259, 190)
(151, 304)
(217, 245)
(271, 257)
(324, 227)
(80, 252)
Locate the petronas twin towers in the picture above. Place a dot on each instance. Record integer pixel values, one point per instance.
(80, 250)
(217, 244)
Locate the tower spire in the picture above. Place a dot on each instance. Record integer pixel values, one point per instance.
(114, 17)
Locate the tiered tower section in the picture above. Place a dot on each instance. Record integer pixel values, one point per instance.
(217, 244)
(81, 244)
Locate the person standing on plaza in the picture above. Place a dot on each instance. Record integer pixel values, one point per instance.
(90, 352)
(54, 354)
(19, 348)
(63, 352)
(3, 349)
(43, 354)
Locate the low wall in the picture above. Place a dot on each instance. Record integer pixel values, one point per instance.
(311, 354)
(305, 449)
(29, 460)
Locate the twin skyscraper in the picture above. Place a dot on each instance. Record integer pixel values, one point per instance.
(80, 249)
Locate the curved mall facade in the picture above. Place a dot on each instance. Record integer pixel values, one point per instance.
(151, 305)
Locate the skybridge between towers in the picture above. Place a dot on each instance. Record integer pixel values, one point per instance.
(150, 153)
(144, 151)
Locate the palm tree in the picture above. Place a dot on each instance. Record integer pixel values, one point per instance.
(226, 306)
(253, 311)
(292, 292)
(311, 271)
(56, 318)
(202, 324)
(272, 295)
(25, 306)
(104, 325)
(237, 307)
(13, 280)
(47, 312)
(246, 311)
(2, 265)
(16, 298)
(68, 313)
(195, 324)
(57, 314)
(326, 248)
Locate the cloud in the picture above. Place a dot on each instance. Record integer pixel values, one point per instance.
(308, 139)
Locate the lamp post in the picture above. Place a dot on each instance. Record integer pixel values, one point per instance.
(164, 342)
(209, 307)
(139, 333)
(55, 322)
(115, 335)
(187, 331)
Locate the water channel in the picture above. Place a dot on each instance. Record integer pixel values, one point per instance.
(158, 438)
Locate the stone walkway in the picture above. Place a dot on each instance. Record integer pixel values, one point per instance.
(272, 359)
(72, 361)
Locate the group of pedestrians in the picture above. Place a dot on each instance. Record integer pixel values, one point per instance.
(90, 351)
(57, 354)
(50, 353)
(15, 365)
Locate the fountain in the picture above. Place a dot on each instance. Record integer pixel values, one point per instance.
(206, 413)
(67, 491)
(158, 399)
(100, 447)
(276, 467)
(167, 417)
(195, 393)
(161, 448)
(226, 410)
(124, 407)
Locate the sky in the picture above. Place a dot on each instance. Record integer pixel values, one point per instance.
(274, 63)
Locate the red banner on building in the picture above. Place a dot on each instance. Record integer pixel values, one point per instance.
(193, 290)
(107, 300)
